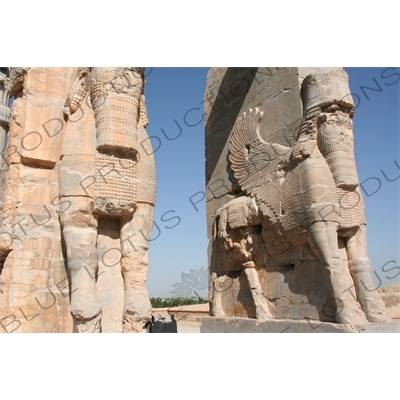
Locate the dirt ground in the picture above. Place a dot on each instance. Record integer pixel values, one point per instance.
(391, 296)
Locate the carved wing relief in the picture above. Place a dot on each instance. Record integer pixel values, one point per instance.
(259, 167)
(291, 184)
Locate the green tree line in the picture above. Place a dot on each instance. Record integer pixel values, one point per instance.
(158, 302)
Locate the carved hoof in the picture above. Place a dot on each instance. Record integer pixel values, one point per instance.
(137, 310)
(374, 309)
(134, 323)
(89, 326)
(378, 316)
(216, 311)
(263, 312)
(351, 316)
(263, 315)
(263, 307)
(85, 306)
(351, 319)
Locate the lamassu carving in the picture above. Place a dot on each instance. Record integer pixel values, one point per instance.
(306, 194)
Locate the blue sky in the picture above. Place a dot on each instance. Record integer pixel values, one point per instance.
(179, 244)
(376, 131)
(180, 239)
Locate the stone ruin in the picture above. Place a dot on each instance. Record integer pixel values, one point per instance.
(285, 216)
(77, 198)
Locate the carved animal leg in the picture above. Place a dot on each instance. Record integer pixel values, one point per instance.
(82, 264)
(80, 235)
(360, 269)
(218, 286)
(135, 237)
(324, 241)
(263, 312)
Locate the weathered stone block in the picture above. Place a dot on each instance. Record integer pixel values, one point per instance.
(246, 325)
